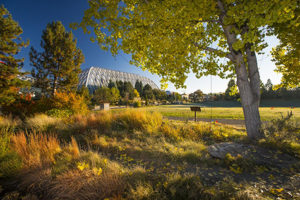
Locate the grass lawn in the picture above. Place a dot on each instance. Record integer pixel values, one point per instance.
(183, 111)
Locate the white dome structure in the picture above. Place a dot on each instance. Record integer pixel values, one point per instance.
(96, 77)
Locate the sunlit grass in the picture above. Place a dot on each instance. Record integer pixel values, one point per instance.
(183, 111)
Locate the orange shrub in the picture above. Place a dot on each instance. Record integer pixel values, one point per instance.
(71, 101)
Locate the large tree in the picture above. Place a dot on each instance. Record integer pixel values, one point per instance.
(10, 45)
(172, 38)
(58, 66)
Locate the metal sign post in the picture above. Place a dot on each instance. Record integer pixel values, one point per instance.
(196, 109)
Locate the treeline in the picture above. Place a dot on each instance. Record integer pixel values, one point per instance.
(267, 90)
(123, 93)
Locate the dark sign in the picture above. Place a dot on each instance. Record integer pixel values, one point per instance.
(196, 108)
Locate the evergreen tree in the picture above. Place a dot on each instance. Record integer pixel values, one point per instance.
(269, 85)
(129, 90)
(147, 92)
(10, 45)
(102, 95)
(112, 84)
(139, 86)
(58, 66)
(120, 86)
(114, 95)
(85, 93)
(230, 85)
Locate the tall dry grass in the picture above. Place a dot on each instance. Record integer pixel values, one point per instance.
(35, 149)
(139, 120)
(42, 122)
(101, 120)
(9, 122)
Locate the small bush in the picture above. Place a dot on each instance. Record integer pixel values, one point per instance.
(187, 187)
(171, 131)
(10, 162)
(59, 113)
(70, 101)
(282, 134)
(137, 104)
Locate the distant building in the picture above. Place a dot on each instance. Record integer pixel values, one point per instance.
(95, 77)
(185, 96)
(33, 91)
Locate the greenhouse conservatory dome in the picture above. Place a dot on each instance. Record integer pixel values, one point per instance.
(95, 77)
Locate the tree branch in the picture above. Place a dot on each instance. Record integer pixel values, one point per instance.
(228, 55)
(202, 21)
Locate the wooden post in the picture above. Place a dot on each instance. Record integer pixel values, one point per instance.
(195, 116)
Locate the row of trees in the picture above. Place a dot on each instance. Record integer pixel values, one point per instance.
(267, 91)
(120, 92)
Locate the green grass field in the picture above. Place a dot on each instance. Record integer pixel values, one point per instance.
(183, 111)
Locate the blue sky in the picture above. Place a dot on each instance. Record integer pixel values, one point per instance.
(33, 16)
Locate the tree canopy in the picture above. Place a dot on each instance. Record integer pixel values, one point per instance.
(10, 45)
(58, 66)
(172, 38)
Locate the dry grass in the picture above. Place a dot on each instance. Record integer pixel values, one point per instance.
(35, 149)
(128, 155)
(42, 122)
(85, 185)
(101, 121)
(132, 119)
(9, 122)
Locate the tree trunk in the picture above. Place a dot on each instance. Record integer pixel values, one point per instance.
(247, 82)
(54, 86)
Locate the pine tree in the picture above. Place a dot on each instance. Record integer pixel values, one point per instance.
(58, 66)
(10, 46)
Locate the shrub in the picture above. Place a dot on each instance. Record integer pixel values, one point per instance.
(59, 113)
(282, 134)
(69, 101)
(10, 162)
(187, 187)
(170, 131)
(23, 106)
(137, 104)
